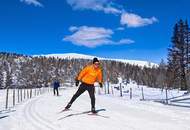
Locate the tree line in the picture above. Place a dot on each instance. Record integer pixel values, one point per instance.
(24, 71)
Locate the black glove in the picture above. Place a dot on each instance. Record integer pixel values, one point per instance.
(101, 86)
(76, 82)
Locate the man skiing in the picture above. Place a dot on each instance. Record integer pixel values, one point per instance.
(88, 76)
(56, 86)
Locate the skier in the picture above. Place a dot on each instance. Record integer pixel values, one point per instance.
(88, 76)
(56, 86)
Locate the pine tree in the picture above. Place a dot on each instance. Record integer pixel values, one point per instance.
(187, 51)
(178, 57)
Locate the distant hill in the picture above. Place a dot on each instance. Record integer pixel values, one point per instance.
(82, 56)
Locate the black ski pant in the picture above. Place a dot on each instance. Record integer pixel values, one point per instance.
(56, 91)
(82, 88)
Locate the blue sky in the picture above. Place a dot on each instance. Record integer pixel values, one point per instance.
(130, 29)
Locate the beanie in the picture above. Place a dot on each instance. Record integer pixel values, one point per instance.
(95, 60)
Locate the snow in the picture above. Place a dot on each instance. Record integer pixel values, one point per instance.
(82, 56)
(43, 112)
(71, 56)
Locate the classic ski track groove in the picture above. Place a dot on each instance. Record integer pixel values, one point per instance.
(28, 116)
(33, 117)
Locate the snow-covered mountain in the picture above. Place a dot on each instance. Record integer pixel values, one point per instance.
(82, 56)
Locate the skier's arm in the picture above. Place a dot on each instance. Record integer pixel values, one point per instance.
(82, 73)
(100, 79)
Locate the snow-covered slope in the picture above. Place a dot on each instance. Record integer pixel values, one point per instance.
(71, 56)
(82, 56)
(42, 113)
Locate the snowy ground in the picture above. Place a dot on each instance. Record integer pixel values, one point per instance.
(42, 113)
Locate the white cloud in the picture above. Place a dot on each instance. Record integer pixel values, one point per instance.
(126, 41)
(73, 28)
(89, 36)
(134, 20)
(97, 5)
(112, 10)
(93, 36)
(120, 28)
(32, 2)
(109, 7)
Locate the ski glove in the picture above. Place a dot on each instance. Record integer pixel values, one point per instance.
(76, 82)
(101, 86)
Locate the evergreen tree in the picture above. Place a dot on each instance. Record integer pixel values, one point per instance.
(178, 57)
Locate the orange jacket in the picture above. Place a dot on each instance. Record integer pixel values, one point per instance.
(89, 75)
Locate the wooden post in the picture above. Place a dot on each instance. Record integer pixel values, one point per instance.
(120, 82)
(108, 87)
(120, 87)
(24, 93)
(21, 94)
(105, 89)
(40, 90)
(142, 93)
(130, 93)
(31, 93)
(18, 95)
(28, 94)
(14, 97)
(166, 96)
(7, 98)
(35, 92)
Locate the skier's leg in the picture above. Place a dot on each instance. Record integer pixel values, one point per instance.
(80, 90)
(54, 91)
(91, 90)
(57, 91)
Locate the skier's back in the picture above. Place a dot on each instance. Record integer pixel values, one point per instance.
(56, 86)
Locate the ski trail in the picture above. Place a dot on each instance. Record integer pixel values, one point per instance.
(40, 113)
(37, 121)
(29, 117)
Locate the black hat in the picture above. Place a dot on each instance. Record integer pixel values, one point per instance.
(95, 60)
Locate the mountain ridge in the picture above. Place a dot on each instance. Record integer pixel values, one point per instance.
(84, 56)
